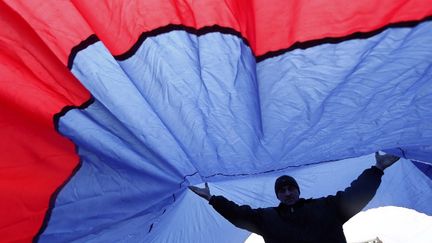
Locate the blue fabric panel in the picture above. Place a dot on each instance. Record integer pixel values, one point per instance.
(421, 153)
(348, 99)
(118, 184)
(186, 109)
(425, 168)
(421, 157)
(204, 91)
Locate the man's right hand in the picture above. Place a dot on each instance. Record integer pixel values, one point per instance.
(202, 192)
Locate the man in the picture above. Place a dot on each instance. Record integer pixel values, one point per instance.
(301, 220)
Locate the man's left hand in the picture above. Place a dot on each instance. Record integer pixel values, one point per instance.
(385, 160)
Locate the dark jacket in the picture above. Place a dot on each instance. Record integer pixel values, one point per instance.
(309, 220)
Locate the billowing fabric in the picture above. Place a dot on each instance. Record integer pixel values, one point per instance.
(110, 109)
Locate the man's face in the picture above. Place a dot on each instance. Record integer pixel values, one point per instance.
(288, 195)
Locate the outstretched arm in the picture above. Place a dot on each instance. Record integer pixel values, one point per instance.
(241, 216)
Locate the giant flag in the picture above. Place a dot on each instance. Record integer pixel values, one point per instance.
(109, 110)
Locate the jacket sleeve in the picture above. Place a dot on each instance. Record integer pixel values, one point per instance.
(354, 198)
(241, 216)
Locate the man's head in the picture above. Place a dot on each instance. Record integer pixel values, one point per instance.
(287, 190)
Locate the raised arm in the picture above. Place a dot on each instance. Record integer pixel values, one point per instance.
(354, 198)
(241, 216)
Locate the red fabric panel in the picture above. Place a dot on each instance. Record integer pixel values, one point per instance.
(268, 25)
(57, 23)
(35, 159)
